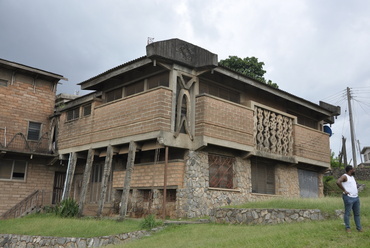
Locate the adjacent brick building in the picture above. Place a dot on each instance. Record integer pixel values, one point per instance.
(199, 136)
(27, 99)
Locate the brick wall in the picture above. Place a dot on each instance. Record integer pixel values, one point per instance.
(24, 101)
(142, 113)
(224, 120)
(39, 177)
(311, 144)
(149, 175)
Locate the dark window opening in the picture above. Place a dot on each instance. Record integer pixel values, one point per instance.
(146, 194)
(218, 91)
(73, 114)
(87, 110)
(158, 80)
(113, 95)
(134, 88)
(34, 130)
(263, 176)
(221, 173)
(171, 195)
(13, 169)
(3, 82)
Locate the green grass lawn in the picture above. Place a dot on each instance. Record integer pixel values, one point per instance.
(51, 225)
(327, 233)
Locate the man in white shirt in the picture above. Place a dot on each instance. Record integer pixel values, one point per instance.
(351, 201)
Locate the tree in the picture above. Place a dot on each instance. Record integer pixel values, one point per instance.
(249, 67)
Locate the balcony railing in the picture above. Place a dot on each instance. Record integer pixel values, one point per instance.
(29, 204)
(273, 132)
(20, 143)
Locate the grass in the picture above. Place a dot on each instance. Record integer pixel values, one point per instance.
(52, 225)
(327, 233)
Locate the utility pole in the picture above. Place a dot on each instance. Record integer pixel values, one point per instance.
(351, 127)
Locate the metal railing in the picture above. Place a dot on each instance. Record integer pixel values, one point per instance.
(27, 205)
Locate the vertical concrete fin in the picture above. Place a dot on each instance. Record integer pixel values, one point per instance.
(127, 183)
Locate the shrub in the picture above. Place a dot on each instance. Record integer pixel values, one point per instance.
(67, 208)
(150, 222)
(330, 186)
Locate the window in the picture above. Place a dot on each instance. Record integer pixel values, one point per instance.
(3, 82)
(365, 157)
(263, 176)
(113, 95)
(87, 110)
(34, 130)
(221, 171)
(158, 80)
(73, 114)
(13, 169)
(134, 88)
(218, 91)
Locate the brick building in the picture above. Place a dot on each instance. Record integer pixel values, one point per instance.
(27, 99)
(200, 136)
(179, 134)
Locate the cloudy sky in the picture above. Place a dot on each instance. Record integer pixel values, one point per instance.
(314, 49)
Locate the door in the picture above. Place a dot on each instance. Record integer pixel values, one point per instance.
(308, 183)
(59, 180)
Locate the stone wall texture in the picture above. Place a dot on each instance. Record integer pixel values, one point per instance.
(263, 216)
(361, 173)
(11, 240)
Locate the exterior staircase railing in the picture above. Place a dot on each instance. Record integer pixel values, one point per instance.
(29, 204)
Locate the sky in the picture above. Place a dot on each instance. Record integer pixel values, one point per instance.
(313, 49)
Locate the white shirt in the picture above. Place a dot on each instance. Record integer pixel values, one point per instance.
(350, 186)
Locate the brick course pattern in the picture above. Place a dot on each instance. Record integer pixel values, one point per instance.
(39, 177)
(149, 175)
(223, 120)
(311, 144)
(142, 113)
(25, 100)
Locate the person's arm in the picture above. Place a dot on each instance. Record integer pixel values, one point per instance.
(340, 180)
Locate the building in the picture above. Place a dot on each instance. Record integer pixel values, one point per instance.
(198, 136)
(366, 152)
(27, 155)
(173, 132)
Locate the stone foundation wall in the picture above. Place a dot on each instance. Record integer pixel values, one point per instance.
(12, 240)
(361, 173)
(263, 216)
(196, 198)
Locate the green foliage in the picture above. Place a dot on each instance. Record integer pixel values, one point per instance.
(150, 222)
(67, 208)
(330, 186)
(249, 66)
(334, 161)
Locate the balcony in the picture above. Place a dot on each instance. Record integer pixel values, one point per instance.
(268, 132)
(18, 143)
(114, 122)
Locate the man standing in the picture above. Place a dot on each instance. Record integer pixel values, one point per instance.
(350, 197)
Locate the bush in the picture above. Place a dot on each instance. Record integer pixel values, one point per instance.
(67, 208)
(150, 222)
(330, 186)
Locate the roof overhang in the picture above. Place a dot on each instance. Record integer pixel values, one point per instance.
(31, 70)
